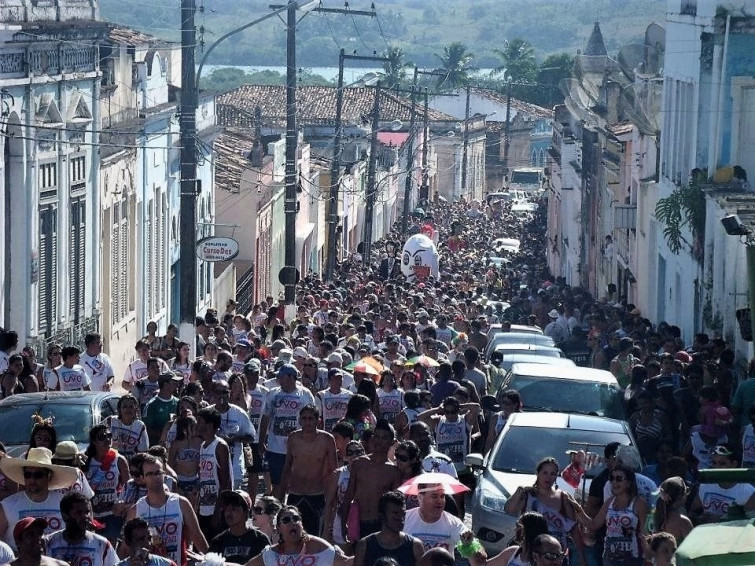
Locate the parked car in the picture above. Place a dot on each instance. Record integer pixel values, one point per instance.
(73, 413)
(566, 389)
(494, 329)
(510, 245)
(516, 358)
(534, 349)
(526, 439)
(497, 262)
(511, 338)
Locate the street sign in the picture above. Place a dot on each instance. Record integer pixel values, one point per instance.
(217, 248)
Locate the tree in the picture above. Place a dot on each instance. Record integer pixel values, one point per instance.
(552, 71)
(455, 65)
(518, 63)
(395, 67)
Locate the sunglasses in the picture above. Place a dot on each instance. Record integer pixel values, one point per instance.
(552, 555)
(309, 365)
(38, 475)
(260, 510)
(618, 478)
(722, 451)
(288, 519)
(153, 474)
(354, 452)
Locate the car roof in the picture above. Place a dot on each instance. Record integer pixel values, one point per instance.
(524, 346)
(515, 329)
(531, 359)
(73, 397)
(572, 373)
(537, 419)
(516, 335)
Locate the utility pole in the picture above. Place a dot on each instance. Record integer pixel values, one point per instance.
(369, 212)
(424, 189)
(288, 274)
(465, 148)
(335, 168)
(409, 162)
(188, 182)
(507, 131)
(290, 201)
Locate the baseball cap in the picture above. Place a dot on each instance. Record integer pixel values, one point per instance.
(243, 342)
(237, 498)
(28, 523)
(288, 369)
(252, 366)
(300, 352)
(168, 376)
(335, 358)
(277, 345)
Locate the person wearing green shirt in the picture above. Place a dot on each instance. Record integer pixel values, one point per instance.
(159, 409)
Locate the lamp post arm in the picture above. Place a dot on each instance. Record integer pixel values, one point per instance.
(234, 32)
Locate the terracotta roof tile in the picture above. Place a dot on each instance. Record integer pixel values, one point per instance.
(231, 149)
(521, 106)
(316, 105)
(128, 36)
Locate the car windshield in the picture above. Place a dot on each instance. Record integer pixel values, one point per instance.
(523, 447)
(72, 421)
(569, 396)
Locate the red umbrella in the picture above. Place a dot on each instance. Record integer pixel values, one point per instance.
(450, 484)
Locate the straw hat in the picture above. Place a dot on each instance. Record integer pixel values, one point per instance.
(62, 476)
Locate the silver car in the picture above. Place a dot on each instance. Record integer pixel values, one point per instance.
(526, 439)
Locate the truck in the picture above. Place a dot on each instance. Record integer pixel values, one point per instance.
(527, 179)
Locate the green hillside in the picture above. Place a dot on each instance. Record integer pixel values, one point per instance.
(419, 27)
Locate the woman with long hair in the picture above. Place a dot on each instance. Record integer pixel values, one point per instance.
(128, 430)
(54, 359)
(264, 512)
(670, 509)
(183, 457)
(529, 526)
(239, 395)
(547, 499)
(511, 402)
(43, 433)
(368, 388)
(296, 546)
(152, 338)
(624, 515)
(182, 362)
(107, 473)
(359, 415)
(11, 379)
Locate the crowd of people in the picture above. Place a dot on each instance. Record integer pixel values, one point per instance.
(339, 436)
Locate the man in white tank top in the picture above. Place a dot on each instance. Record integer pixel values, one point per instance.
(169, 514)
(215, 470)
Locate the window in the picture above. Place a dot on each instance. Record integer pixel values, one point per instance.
(119, 266)
(77, 174)
(77, 258)
(48, 181)
(48, 268)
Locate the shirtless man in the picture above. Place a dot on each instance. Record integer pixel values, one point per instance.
(310, 461)
(371, 476)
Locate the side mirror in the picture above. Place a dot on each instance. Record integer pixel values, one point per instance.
(474, 461)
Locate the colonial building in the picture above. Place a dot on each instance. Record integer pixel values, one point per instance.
(529, 130)
(139, 189)
(49, 203)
